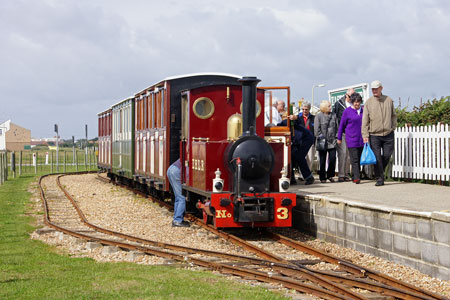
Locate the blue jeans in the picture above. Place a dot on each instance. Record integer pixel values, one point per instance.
(174, 176)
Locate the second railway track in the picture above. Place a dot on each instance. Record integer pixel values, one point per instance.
(347, 281)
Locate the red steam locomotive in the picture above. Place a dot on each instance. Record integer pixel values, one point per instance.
(234, 169)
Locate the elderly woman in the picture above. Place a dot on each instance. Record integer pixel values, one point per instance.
(351, 125)
(326, 126)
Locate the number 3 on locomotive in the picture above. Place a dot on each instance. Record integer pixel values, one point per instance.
(282, 213)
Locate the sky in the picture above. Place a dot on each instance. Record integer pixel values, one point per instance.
(63, 61)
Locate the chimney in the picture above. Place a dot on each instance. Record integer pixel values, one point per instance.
(249, 104)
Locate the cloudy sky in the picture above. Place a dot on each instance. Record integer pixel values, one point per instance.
(64, 61)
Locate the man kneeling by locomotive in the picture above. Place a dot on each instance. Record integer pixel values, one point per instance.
(174, 176)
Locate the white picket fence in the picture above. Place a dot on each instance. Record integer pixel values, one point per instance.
(422, 152)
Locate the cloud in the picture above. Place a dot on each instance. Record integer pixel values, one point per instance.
(306, 23)
(64, 61)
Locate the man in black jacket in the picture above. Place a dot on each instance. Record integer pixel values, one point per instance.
(342, 150)
(306, 119)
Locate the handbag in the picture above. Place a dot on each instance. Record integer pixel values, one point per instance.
(367, 156)
(322, 144)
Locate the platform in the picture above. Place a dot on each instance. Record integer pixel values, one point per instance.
(408, 223)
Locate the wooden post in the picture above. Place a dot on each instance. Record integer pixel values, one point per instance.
(13, 163)
(76, 159)
(64, 161)
(5, 166)
(35, 165)
(1, 167)
(20, 163)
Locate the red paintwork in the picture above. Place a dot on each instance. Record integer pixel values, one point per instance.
(224, 215)
(205, 157)
(152, 134)
(215, 128)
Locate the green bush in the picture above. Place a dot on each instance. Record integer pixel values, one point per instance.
(429, 113)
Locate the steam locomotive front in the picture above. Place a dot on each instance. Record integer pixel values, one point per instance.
(250, 160)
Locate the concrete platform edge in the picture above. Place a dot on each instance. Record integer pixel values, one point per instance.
(420, 240)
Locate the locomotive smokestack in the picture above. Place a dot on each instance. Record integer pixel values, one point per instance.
(249, 105)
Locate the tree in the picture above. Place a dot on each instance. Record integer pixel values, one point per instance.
(429, 113)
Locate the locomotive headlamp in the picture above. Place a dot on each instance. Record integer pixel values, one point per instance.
(217, 182)
(286, 202)
(283, 181)
(285, 185)
(218, 185)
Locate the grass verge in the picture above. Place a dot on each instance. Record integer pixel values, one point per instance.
(33, 270)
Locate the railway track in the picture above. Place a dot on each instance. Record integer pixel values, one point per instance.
(62, 213)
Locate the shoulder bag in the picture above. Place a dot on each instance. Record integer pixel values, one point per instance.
(322, 144)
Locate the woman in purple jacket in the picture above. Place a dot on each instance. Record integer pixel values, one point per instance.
(351, 125)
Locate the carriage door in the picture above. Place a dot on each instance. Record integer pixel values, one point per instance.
(184, 136)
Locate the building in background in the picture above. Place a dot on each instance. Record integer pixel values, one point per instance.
(13, 137)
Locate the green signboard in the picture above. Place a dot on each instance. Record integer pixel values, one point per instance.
(335, 95)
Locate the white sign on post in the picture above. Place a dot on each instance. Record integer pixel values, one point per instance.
(34, 159)
(46, 158)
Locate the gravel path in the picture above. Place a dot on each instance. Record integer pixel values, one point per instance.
(118, 209)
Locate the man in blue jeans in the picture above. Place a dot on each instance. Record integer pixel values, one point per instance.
(174, 176)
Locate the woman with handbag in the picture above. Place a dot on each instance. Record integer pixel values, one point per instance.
(325, 130)
(351, 122)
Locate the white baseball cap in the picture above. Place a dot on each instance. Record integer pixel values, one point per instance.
(375, 84)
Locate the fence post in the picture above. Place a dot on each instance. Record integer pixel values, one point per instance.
(64, 161)
(85, 158)
(20, 163)
(35, 159)
(5, 162)
(1, 168)
(76, 159)
(13, 163)
(51, 161)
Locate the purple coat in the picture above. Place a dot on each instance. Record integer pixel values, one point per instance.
(351, 125)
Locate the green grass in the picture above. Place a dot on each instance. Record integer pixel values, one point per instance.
(30, 269)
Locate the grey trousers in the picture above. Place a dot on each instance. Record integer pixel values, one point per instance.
(343, 159)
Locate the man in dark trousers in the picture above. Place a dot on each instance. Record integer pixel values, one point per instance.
(378, 124)
(302, 139)
(342, 150)
(306, 119)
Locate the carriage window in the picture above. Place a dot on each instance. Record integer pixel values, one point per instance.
(184, 116)
(162, 108)
(144, 112)
(203, 108)
(153, 110)
(158, 110)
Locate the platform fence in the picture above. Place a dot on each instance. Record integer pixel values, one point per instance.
(422, 152)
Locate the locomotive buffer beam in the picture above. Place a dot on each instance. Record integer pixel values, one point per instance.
(254, 209)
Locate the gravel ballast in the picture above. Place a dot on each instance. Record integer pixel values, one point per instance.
(118, 209)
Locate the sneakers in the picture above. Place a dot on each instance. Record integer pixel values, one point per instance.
(342, 179)
(331, 179)
(180, 224)
(309, 181)
(379, 182)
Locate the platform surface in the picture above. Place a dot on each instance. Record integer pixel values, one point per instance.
(393, 195)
